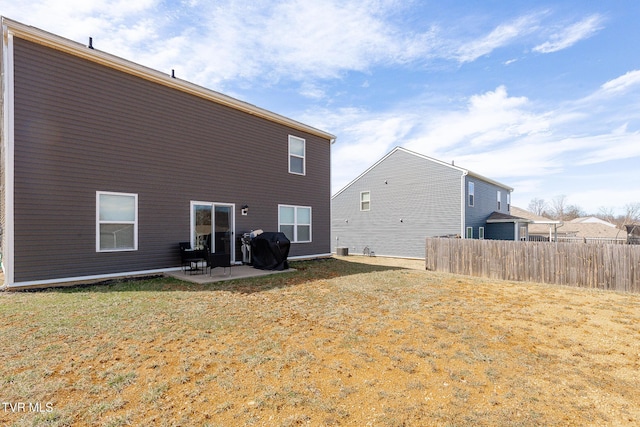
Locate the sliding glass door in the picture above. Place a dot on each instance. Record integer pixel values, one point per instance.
(212, 224)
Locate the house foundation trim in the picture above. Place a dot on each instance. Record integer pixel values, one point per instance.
(84, 279)
(129, 274)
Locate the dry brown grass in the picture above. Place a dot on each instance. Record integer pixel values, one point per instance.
(338, 342)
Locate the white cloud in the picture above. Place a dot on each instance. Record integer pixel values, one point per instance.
(501, 36)
(503, 137)
(590, 198)
(488, 119)
(480, 134)
(364, 137)
(571, 35)
(622, 83)
(295, 39)
(617, 145)
(262, 42)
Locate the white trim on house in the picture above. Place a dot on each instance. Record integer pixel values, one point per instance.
(87, 279)
(306, 257)
(8, 236)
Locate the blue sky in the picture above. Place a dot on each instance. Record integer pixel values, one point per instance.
(541, 96)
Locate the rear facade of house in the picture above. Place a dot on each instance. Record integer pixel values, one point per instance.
(108, 165)
(405, 197)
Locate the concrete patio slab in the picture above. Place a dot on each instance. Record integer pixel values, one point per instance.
(219, 275)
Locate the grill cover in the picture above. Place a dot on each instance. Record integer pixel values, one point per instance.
(269, 251)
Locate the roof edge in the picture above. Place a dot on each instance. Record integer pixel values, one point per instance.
(60, 43)
(440, 162)
(467, 171)
(365, 172)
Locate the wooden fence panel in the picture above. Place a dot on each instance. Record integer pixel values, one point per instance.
(601, 266)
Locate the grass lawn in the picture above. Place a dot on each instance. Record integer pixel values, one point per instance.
(354, 341)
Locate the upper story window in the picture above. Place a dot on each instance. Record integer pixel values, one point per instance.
(365, 200)
(471, 193)
(499, 200)
(297, 153)
(116, 222)
(509, 202)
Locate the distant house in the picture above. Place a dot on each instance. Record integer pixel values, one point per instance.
(582, 230)
(592, 220)
(539, 228)
(107, 165)
(405, 197)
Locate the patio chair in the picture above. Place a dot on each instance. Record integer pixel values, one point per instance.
(188, 257)
(220, 259)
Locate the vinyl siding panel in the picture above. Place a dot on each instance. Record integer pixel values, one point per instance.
(81, 127)
(485, 203)
(425, 194)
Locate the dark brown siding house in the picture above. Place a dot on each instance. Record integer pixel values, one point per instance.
(108, 165)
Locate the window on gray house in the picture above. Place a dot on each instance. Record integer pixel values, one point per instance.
(471, 193)
(469, 233)
(365, 200)
(499, 200)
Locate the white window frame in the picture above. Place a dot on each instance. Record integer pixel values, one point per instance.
(100, 222)
(362, 201)
(469, 233)
(295, 223)
(471, 196)
(303, 157)
(481, 233)
(499, 196)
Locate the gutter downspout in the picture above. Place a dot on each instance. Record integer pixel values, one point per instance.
(463, 204)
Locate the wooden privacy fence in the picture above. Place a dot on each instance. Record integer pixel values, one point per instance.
(611, 267)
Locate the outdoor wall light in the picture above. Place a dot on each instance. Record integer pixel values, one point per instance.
(245, 209)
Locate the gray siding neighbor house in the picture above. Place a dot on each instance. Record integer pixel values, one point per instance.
(107, 165)
(405, 197)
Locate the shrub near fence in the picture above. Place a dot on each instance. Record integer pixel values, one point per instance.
(611, 267)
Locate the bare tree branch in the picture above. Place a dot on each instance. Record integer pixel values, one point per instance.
(537, 206)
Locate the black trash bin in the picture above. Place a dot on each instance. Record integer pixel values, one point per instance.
(269, 251)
